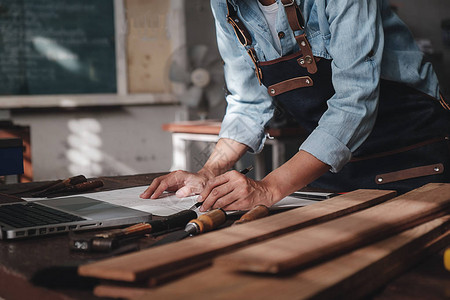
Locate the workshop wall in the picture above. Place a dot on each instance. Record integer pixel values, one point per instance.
(128, 140)
(425, 19)
(110, 141)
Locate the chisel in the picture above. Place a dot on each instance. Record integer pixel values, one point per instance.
(206, 222)
(257, 212)
(60, 185)
(105, 242)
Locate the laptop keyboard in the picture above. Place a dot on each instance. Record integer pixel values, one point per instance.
(32, 214)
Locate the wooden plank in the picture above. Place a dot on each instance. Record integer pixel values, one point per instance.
(326, 240)
(163, 259)
(351, 276)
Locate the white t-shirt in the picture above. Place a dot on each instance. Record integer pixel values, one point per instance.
(270, 13)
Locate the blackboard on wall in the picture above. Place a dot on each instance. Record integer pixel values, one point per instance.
(57, 47)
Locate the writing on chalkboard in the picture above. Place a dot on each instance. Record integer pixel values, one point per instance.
(57, 47)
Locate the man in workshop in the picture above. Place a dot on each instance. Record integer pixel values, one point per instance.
(351, 75)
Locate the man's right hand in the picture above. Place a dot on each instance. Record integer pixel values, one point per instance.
(184, 183)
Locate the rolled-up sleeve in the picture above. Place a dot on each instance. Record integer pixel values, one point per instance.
(249, 105)
(356, 47)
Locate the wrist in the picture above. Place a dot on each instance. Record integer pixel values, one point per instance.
(273, 190)
(207, 173)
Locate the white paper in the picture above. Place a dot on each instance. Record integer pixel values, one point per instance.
(167, 204)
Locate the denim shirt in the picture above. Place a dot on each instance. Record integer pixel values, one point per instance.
(365, 40)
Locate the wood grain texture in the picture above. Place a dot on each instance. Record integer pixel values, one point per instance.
(351, 276)
(317, 243)
(166, 258)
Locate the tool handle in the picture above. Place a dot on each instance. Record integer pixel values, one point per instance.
(257, 212)
(61, 185)
(66, 183)
(447, 259)
(75, 180)
(178, 220)
(210, 220)
(137, 229)
(81, 187)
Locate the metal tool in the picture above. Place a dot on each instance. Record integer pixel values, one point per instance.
(105, 242)
(206, 222)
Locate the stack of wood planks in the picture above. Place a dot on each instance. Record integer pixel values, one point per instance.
(344, 247)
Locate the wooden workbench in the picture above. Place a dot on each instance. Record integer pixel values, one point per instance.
(21, 260)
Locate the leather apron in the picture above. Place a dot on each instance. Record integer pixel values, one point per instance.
(409, 145)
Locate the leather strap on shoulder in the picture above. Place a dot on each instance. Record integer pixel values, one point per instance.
(297, 22)
(239, 28)
(294, 15)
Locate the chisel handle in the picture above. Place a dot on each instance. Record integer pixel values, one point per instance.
(257, 212)
(60, 185)
(82, 187)
(447, 259)
(177, 220)
(211, 220)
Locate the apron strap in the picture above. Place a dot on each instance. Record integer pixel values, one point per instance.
(244, 37)
(294, 15)
(297, 22)
(239, 28)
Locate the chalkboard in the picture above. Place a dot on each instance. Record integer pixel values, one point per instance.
(57, 47)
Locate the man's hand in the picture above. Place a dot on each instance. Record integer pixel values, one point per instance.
(235, 191)
(184, 183)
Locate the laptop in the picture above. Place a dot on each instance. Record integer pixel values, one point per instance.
(50, 216)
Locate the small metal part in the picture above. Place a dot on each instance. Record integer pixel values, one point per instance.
(272, 91)
(301, 61)
(436, 169)
(81, 245)
(303, 43)
(308, 59)
(192, 228)
(380, 179)
(307, 81)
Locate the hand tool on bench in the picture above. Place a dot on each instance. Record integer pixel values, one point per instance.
(61, 185)
(108, 241)
(257, 212)
(77, 188)
(447, 259)
(206, 222)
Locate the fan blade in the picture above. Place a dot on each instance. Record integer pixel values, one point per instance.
(197, 55)
(179, 73)
(192, 96)
(212, 59)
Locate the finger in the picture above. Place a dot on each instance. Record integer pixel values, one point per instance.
(150, 190)
(216, 193)
(238, 205)
(185, 191)
(159, 189)
(174, 179)
(226, 200)
(212, 183)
